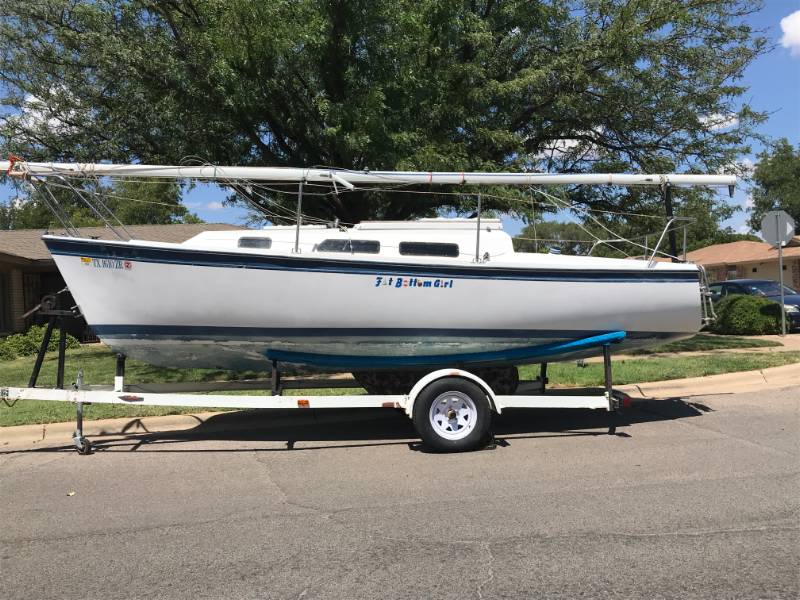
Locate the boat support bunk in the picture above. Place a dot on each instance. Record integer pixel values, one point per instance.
(451, 408)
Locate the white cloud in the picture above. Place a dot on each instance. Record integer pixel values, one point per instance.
(716, 121)
(743, 168)
(748, 202)
(214, 206)
(744, 229)
(791, 33)
(36, 114)
(562, 146)
(573, 147)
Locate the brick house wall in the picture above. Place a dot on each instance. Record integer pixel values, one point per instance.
(795, 270)
(717, 273)
(17, 297)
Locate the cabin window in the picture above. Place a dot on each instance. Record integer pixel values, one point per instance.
(351, 246)
(428, 249)
(255, 242)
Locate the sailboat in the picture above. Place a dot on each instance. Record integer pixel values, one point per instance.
(416, 295)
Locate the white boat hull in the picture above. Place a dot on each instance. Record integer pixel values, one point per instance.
(186, 307)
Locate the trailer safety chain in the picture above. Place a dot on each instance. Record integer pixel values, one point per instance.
(4, 397)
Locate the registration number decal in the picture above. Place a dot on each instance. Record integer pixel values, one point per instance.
(107, 263)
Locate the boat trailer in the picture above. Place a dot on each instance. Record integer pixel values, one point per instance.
(450, 408)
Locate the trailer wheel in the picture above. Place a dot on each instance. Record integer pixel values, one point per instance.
(84, 447)
(452, 414)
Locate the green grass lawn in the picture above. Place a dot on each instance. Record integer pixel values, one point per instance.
(704, 341)
(98, 364)
(660, 368)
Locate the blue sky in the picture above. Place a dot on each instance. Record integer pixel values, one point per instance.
(774, 86)
(774, 83)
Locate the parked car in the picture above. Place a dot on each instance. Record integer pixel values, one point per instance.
(764, 288)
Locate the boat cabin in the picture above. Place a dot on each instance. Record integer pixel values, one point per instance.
(436, 238)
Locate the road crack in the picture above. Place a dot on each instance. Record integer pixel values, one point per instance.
(490, 567)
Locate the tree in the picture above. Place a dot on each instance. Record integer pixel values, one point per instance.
(148, 202)
(703, 212)
(565, 85)
(542, 236)
(132, 202)
(776, 183)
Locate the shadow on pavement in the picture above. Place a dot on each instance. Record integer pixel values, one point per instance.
(321, 429)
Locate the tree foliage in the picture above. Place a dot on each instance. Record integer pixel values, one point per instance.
(560, 85)
(133, 203)
(776, 183)
(545, 236)
(643, 223)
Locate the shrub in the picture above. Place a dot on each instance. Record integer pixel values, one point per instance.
(27, 344)
(6, 353)
(746, 315)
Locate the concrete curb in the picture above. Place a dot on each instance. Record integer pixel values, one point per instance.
(727, 383)
(54, 433)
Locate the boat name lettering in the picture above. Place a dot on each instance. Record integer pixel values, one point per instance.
(106, 263)
(411, 282)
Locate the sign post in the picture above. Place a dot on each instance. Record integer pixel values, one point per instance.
(777, 228)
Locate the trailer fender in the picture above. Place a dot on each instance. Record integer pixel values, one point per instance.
(441, 373)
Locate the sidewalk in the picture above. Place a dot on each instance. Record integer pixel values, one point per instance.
(790, 343)
(727, 383)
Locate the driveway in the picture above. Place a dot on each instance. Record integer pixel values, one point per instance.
(689, 500)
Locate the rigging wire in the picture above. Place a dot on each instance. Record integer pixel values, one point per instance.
(275, 211)
(399, 187)
(616, 237)
(58, 211)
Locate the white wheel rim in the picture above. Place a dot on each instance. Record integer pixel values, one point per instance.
(453, 415)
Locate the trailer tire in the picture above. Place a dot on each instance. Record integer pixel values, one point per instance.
(84, 447)
(452, 414)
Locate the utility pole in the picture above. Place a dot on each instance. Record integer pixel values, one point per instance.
(666, 193)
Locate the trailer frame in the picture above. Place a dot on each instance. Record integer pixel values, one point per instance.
(196, 395)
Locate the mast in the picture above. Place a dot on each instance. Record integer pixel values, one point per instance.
(350, 179)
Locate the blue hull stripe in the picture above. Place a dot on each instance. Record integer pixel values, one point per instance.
(208, 258)
(501, 356)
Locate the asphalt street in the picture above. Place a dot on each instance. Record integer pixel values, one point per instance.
(685, 499)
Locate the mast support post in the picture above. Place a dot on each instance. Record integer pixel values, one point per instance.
(666, 192)
(478, 233)
(277, 389)
(299, 216)
(119, 376)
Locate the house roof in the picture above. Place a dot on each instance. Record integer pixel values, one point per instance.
(742, 252)
(27, 244)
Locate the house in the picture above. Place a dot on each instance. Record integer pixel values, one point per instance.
(749, 260)
(28, 272)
